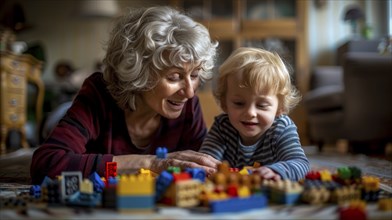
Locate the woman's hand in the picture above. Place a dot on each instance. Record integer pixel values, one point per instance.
(185, 159)
(267, 173)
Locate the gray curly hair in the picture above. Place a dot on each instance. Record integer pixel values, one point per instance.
(146, 41)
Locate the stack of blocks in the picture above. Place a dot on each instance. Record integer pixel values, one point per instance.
(136, 193)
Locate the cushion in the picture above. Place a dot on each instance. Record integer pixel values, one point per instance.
(324, 98)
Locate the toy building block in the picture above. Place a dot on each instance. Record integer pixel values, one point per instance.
(345, 194)
(70, 183)
(238, 204)
(52, 193)
(244, 171)
(184, 193)
(224, 167)
(172, 169)
(355, 210)
(313, 175)
(147, 172)
(135, 193)
(243, 191)
(35, 191)
(356, 173)
(370, 188)
(98, 184)
(110, 170)
(197, 173)
(85, 199)
(161, 152)
(234, 170)
(385, 204)
(13, 203)
(325, 175)
(86, 186)
(315, 195)
(370, 183)
(47, 180)
(286, 192)
(162, 183)
(109, 197)
(135, 185)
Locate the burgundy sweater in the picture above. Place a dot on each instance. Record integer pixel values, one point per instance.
(94, 129)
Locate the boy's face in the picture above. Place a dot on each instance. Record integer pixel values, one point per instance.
(251, 114)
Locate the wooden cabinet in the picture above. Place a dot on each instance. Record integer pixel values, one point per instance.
(276, 25)
(16, 71)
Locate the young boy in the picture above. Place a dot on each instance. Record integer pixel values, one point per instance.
(255, 92)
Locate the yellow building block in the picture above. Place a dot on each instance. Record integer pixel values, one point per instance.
(135, 185)
(385, 204)
(185, 193)
(86, 186)
(325, 175)
(370, 183)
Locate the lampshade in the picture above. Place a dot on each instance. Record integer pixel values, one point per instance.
(353, 13)
(101, 8)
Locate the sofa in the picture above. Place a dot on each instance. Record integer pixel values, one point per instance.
(352, 101)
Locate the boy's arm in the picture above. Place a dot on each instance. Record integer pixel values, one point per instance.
(214, 143)
(292, 162)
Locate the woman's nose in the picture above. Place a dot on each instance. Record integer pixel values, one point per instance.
(187, 90)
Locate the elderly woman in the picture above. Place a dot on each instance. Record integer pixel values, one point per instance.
(156, 59)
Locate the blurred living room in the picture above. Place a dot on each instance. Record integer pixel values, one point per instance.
(339, 52)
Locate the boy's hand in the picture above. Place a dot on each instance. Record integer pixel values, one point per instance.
(267, 173)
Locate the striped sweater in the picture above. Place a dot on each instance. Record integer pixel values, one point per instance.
(279, 147)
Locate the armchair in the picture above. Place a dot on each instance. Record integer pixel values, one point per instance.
(352, 102)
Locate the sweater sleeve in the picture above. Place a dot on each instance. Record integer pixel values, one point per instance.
(65, 148)
(214, 143)
(292, 162)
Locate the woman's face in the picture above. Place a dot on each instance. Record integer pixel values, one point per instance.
(173, 90)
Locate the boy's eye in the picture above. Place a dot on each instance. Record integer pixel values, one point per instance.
(238, 103)
(262, 106)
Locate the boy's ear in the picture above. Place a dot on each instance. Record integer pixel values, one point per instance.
(279, 112)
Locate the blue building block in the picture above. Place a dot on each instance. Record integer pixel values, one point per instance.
(197, 173)
(162, 183)
(238, 204)
(47, 181)
(35, 191)
(135, 202)
(161, 152)
(280, 197)
(112, 181)
(97, 182)
(84, 199)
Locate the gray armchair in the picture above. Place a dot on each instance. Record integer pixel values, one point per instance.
(352, 102)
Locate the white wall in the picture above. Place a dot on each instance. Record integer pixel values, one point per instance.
(327, 30)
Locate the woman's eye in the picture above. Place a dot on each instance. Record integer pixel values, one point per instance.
(195, 76)
(173, 77)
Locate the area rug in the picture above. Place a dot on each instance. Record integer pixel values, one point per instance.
(369, 166)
